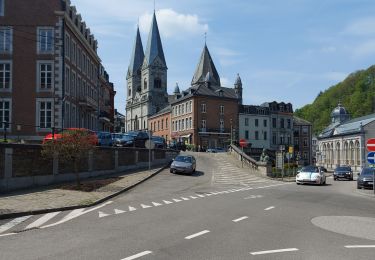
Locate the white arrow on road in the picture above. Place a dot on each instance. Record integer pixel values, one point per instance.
(119, 211)
(102, 214)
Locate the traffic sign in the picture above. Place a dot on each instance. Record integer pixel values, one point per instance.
(371, 145)
(243, 143)
(371, 157)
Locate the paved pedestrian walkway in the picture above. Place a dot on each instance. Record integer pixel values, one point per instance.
(52, 197)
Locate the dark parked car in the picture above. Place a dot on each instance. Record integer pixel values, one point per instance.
(139, 138)
(116, 138)
(366, 178)
(344, 172)
(125, 141)
(183, 164)
(104, 139)
(159, 142)
(178, 146)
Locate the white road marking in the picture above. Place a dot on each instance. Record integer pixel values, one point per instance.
(269, 208)
(119, 211)
(132, 209)
(208, 194)
(253, 197)
(167, 202)
(137, 255)
(193, 197)
(102, 214)
(274, 251)
(360, 246)
(176, 200)
(42, 220)
(156, 204)
(202, 196)
(184, 198)
(13, 223)
(239, 219)
(8, 234)
(76, 213)
(145, 206)
(197, 234)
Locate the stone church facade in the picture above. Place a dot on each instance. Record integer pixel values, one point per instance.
(146, 80)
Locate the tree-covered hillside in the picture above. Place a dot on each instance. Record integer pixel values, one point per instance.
(356, 93)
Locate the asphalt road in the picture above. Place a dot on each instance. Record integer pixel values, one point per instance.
(221, 212)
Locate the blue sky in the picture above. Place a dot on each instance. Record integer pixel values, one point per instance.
(286, 50)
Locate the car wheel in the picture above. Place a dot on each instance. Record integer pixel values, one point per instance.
(298, 183)
(334, 179)
(170, 170)
(358, 187)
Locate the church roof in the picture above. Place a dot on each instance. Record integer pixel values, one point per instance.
(202, 90)
(137, 55)
(205, 66)
(348, 127)
(154, 47)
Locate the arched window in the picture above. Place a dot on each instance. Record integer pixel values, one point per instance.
(145, 84)
(157, 83)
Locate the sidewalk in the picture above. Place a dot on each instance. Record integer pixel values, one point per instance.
(52, 198)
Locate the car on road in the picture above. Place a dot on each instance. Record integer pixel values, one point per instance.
(139, 137)
(343, 172)
(183, 164)
(181, 146)
(311, 175)
(125, 140)
(366, 178)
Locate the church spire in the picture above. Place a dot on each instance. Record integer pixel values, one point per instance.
(137, 55)
(205, 66)
(154, 47)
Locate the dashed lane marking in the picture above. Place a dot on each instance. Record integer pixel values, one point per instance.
(269, 208)
(274, 251)
(197, 234)
(137, 255)
(239, 219)
(360, 246)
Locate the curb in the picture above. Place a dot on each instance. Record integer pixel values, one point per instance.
(44, 211)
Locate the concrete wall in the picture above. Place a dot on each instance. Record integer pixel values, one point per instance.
(23, 166)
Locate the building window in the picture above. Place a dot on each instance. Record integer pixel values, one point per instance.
(203, 108)
(182, 124)
(179, 110)
(67, 80)
(45, 75)
(305, 142)
(157, 83)
(304, 155)
(191, 106)
(221, 110)
(187, 123)
(191, 123)
(305, 130)
(158, 125)
(296, 141)
(204, 124)
(5, 75)
(289, 139)
(1, 7)
(256, 122)
(6, 39)
(221, 125)
(289, 123)
(281, 122)
(256, 135)
(274, 123)
(144, 84)
(44, 114)
(265, 123)
(187, 107)
(274, 138)
(247, 134)
(45, 40)
(5, 113)
(67, 46)
(246, 122)
(265, 135)
(183, 109)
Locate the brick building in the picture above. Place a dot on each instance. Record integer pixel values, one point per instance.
(302, 141)
(160, 124)
(49, 70)
(206, 114)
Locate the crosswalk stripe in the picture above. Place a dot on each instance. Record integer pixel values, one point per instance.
(156, 204)
(40, 221)
(200, 195)
(13, 223)
(176, 200)
(184, 198)
(167, 202)
(145, 206)
(132, 209)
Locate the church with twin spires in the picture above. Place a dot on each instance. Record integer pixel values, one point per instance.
(146, 80)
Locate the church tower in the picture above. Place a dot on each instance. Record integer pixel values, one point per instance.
(238, 88)
(146, 80)
(206, 67)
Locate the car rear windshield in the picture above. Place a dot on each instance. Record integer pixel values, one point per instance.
(127, 137)
(343, 169)
(186, 159)
(367, 171)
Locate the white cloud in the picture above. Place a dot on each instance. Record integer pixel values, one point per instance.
(173, 24)
(365, 26)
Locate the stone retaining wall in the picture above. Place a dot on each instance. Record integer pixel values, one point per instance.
(23, 166)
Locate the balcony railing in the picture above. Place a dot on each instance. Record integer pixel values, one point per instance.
(214, 130)
(88, 102)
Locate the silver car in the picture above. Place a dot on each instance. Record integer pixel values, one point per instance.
(311, 175)
(183, 164)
